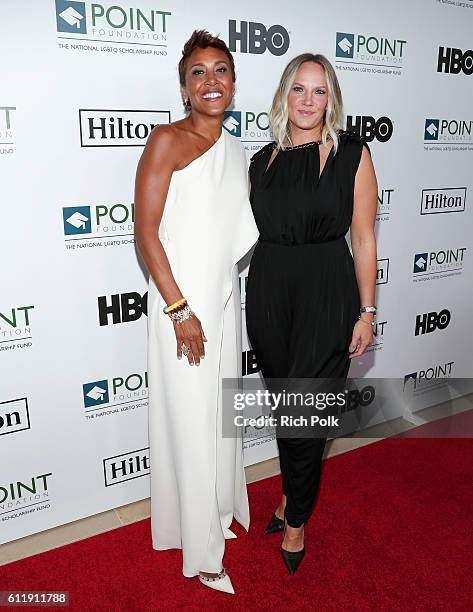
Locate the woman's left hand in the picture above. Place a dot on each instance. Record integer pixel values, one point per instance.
(361, 339)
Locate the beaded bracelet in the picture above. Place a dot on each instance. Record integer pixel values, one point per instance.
(178, 316)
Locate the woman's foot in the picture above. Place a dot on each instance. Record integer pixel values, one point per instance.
(293, 540)
(292, 547)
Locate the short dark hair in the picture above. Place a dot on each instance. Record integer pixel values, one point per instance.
(201, 39)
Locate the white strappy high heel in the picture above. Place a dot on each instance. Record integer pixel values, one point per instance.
(221, 582)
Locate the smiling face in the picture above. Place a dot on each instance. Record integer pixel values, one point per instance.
(307, 99)
(208, 81)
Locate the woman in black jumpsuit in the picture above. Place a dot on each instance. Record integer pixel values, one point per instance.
(302, 296)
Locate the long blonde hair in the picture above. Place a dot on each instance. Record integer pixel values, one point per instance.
(279, 116)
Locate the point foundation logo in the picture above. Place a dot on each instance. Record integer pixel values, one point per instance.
(112, 28)
(16, 330)
(23, 497)
(98, 226)
(385, 200)
(378, 336)
(7, 130)
(117, 395)
(438, 264)
(252, 127)
(369, 53)
(429, 378)
(449, 132)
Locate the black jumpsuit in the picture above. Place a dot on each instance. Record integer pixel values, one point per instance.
(302, 298)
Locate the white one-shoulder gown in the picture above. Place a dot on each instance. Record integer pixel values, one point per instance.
(197, 476)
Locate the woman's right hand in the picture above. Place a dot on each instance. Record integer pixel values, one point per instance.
(190, 333)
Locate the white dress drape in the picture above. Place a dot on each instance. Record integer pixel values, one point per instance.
(197, 476)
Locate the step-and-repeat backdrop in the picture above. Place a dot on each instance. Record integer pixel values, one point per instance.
(82, 85)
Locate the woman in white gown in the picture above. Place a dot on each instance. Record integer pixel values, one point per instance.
(193, 223)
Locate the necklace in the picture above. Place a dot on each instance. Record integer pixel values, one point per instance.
(307, 144)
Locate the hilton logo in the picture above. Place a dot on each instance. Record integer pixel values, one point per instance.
(118, 128)
(127, 466)
(14, 416)
(450, 199)
(382, 271)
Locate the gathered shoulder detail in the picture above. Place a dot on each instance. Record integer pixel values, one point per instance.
(353, 137)
(268, 147)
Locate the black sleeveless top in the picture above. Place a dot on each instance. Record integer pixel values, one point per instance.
(292, 204)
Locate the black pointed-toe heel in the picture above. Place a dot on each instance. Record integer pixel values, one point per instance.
(292, 560)
(274, 525)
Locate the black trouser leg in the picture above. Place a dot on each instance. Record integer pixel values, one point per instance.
(301, 463)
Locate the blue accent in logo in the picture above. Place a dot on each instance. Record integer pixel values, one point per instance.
(232, 122)
(431, 130)
(420, 262)
(344, 45)
(70, 17)
(408, 378)
(77, 220)
(95, 393)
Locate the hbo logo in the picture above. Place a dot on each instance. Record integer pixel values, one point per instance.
(255, 38)
(356, 398)
(455, 61)
(430, 321)
(370, 128)
(123, 308)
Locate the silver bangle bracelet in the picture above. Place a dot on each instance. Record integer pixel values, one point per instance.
(372, 323)
(181, 315)
(367, 322)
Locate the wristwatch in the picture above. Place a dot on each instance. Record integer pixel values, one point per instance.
(368, 309)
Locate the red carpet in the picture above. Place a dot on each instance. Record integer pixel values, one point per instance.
(392, 530)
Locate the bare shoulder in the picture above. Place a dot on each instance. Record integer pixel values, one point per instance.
(165, 135)
(163, 145)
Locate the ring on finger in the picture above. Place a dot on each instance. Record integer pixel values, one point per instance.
(184, 349)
